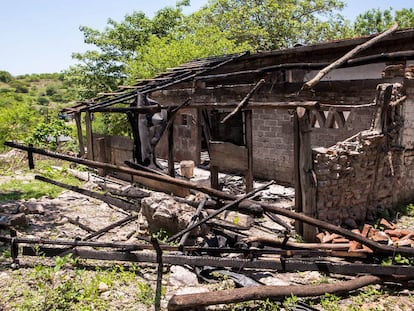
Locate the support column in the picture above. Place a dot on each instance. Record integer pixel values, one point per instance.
(89, 135)
(171, 170)
(307, 176)
(79, 132)
(296, 157)
(248, 117)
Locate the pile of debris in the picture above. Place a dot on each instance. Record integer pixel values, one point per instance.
(386, 233)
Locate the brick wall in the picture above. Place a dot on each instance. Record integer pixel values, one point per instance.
(273, 145)
(273, 140)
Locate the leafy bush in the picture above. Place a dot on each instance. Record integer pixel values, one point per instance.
(19, 86)
(51, 90)
(43, 100)
(5, 76)
(49, 134)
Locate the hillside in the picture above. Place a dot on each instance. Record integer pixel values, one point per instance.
(31, 103)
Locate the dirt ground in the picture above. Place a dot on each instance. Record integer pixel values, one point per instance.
(39, 283)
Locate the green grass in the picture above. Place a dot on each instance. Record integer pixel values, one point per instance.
(23, 189)
(67, 286)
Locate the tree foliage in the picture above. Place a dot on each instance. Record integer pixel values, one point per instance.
(103, 68)
(375, 20)
(5, 76)
(267, 24)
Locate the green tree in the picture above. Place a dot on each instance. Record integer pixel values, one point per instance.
(5, 76)
(103, 69)
(170, 51)
(376, 20)
(267, 24)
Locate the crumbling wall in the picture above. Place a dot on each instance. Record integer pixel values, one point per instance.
(273, 139)
(357, 180)
(408, 113)
(360, 178)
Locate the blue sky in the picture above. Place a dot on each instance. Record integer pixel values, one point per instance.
(39, 36)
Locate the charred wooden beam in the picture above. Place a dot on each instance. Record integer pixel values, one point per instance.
(348, 56)
(127, 170)
(394, 56)
(89, 135)
(285, 264)
(116, 224)
(146, 109)
(245, 100)
(105, 198)
(188, 301)
(262, 105)
(80, 134)
(382, 100)
(298, 250)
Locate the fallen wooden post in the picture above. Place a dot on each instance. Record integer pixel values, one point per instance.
(119, 223)
(347, 56)
(79, 224)
(127, 170)
(244, 101)
(157, 299)
(187, 301)
(105, 198)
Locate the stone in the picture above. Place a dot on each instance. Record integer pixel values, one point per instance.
(32, 207)
(180, 276)
(103, 287)
(163, 212)
(16, 220)
(237, 218)
(270, 280)
(191, 290)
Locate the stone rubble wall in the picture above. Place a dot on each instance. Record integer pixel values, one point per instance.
(360, 179)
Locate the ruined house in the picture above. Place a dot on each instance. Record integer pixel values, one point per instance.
(346, 144)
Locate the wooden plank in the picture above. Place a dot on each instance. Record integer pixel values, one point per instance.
(261, 105)
(228, 156)
(162, 186)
